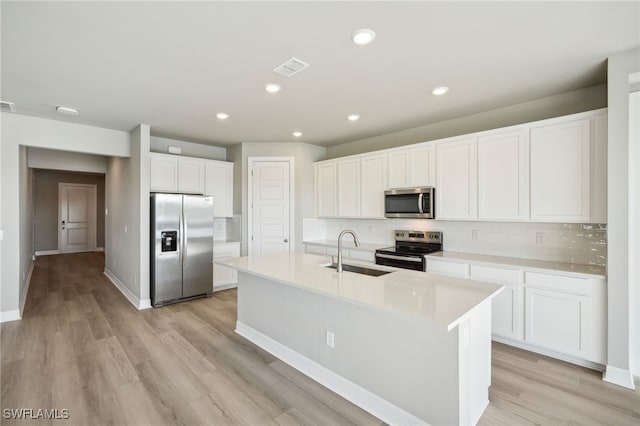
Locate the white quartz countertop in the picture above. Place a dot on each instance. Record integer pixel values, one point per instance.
(348, 244)
(572, 269)
(437, 300)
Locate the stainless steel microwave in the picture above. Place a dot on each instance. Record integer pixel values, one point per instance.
(410, 202)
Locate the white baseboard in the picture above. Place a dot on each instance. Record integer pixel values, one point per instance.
(557, 355)
(7, 316)
(47, 252)
(225, 287)
(23, 299)
(132, 298)
(99, 248)
(368, 401)
(619, 376)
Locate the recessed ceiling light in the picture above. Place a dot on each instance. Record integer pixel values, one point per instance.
(222, 115)
(272, 88)
(353, 117)
(363, 36)
(297, 134)
(439, 91)
(67, 110)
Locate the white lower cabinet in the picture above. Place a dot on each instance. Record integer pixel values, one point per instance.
(507, 316)
(556, 314)
(566, 315)
(224, 277)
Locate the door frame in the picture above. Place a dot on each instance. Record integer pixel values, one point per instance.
(250, 162)
(93, 207)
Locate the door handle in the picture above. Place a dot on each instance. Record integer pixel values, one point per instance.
(185, 240)
(180, 238)
(286, 240)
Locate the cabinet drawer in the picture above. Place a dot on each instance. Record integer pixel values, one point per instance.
(558, 283)
(448, 268)
(495, 275)
(312, 248)
(367, 256)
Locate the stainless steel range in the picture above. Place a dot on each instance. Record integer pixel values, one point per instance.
(410, 249)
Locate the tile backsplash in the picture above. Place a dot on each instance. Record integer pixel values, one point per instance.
(583, 243)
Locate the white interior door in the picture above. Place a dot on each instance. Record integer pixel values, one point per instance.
(77, 222)
(270, 207)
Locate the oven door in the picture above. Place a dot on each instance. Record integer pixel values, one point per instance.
(411, 203)
(405, 261)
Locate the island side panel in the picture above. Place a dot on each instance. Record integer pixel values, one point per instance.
(405, 362)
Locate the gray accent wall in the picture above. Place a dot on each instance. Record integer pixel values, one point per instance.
(588, 99)
(46, 205)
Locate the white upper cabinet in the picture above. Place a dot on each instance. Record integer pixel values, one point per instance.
(503, 176)
(219, 184)
(164, 173)
(191, 175)
(599, 169)
(560, 172)
(326, 180)
(349, 187)
(411, 167)
(373, 169)
(456, 193)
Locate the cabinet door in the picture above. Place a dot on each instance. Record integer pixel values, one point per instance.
(326, 184)
(191, 175)
(349, 187)
(599, 169)
(422, 171)
(164, 173)
(219, 184)
(398, 162)
(558, 321)
(506, 310)
(456, 193)
(374, 174)
(560, 163)
(223, 275)
(503, 177)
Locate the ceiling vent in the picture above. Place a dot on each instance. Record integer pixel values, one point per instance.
(291, 67)
(7, 106)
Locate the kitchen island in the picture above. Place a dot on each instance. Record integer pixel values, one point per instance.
(409, 347)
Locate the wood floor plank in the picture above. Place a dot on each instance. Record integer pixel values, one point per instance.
(82, 346)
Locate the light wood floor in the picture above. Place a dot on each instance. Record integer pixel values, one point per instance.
(83, 347)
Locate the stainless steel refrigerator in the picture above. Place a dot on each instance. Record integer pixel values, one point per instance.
(181, 247)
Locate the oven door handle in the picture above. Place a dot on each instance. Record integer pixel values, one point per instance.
(420, 209)
(392, 257)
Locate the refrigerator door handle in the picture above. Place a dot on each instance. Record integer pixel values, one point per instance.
(180, 239)
(185, 241)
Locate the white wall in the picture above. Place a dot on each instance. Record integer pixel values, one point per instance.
(634, 228)
(621, 220)
(50, 159)
(19, 130)
(554, 106)
(26, 227)
(304, 157)
(127, 223)
(189, 149)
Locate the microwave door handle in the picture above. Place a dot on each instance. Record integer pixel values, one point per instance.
(420, 209)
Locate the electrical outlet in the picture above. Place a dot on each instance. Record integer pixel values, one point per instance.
(330, 339)
(106, 212)
(539, 237)
(126, 229)
(474, 234)
(24, 275)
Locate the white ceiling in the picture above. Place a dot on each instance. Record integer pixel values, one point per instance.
(174, 65)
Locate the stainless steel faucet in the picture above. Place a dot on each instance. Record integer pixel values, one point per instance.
(355, 240)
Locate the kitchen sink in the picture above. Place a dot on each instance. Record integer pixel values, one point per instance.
(359, 269)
